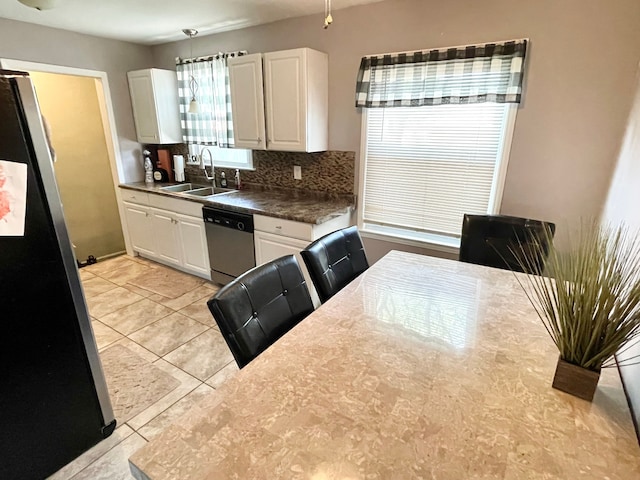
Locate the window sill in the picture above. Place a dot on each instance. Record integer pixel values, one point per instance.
(440, 243)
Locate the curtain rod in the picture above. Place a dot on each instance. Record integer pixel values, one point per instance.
(447, 48)
(205, 58)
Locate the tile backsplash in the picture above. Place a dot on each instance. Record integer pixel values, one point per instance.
(331, 171)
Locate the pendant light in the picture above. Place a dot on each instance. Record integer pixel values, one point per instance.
(328, 19)
(193, 84)
(39, 4)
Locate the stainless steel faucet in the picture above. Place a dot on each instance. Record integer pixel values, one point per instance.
(204, 167)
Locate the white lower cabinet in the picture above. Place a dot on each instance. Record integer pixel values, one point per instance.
(165, 229)
(269, 246)
(140, 223)
(193, 239)
(274, 238)
(173, 234)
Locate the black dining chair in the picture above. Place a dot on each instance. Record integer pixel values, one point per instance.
(334, 260)
(491, 240)
(260, 306)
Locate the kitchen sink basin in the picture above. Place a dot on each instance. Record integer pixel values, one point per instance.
(205, 192)
(183, 187)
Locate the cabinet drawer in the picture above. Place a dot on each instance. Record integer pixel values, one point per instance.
(287, 228)
(134, 196)
(176, 205)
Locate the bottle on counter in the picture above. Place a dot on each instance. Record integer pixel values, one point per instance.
(223, 180)
(148, 169)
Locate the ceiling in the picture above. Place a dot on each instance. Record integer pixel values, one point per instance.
(152, 22)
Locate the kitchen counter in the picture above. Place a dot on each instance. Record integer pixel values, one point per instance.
(306, 207)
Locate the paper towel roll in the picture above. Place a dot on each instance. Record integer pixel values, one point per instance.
(178, 167)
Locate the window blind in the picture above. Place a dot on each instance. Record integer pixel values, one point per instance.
(428, 166)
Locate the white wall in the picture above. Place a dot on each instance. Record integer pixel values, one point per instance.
(34, 43)
(623, 201)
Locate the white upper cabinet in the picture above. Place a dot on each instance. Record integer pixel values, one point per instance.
(297, 100)
(245, 80)
(154, 98)
(295, 109)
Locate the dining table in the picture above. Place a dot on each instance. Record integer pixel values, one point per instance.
(420, 368)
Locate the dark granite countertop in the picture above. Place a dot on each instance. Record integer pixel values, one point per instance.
(307, 207)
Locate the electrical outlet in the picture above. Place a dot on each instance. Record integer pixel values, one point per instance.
(297, 172)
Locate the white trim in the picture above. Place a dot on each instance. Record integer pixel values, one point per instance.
(500, 175)
(363, 167)
(108, 121)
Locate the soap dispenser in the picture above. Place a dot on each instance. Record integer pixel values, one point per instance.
(223, 180)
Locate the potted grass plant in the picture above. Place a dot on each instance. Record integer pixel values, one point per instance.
(590, 303)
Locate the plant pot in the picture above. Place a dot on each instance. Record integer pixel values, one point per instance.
(578, 381)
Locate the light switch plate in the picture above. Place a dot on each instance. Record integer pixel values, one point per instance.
(297, 172)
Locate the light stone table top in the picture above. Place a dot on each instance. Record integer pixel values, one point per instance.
(420, 368)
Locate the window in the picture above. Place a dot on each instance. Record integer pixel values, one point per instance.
(206, 80)
(436, 131)
(226, 157)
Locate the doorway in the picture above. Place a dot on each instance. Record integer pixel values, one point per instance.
(77, 108)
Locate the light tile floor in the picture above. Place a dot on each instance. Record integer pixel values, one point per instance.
(160, 315)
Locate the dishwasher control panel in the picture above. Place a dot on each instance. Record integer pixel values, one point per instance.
(228, 219)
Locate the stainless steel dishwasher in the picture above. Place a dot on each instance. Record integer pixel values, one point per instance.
(230, 243)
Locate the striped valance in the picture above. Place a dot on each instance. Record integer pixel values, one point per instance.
(491, 72)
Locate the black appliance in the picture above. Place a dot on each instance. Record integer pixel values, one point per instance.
(54, 402)
(230, 243)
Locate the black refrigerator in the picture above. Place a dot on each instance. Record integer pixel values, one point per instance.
(54, 402)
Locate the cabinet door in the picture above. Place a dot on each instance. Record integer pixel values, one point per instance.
(285, 98)
(143, 104)
(156, 110)
(247, 101)
(195, 256)
(140, 226)
(269, 246)
(165, 228)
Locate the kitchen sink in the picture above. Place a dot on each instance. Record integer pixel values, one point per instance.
(205, 192)
(183, 187)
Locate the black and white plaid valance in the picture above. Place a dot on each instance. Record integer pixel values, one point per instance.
(491, 72)
(212, 125)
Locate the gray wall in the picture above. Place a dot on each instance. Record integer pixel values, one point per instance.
(579, 87)
(34, 43)
(624, 198)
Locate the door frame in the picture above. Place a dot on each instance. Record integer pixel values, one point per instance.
(108, 121)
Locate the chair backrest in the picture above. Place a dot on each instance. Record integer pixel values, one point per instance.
(491, 239)
(334, 260)
(260, 306)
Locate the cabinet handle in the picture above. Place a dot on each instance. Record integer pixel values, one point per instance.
(278, 227)
(146, 214)
(258, 140)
